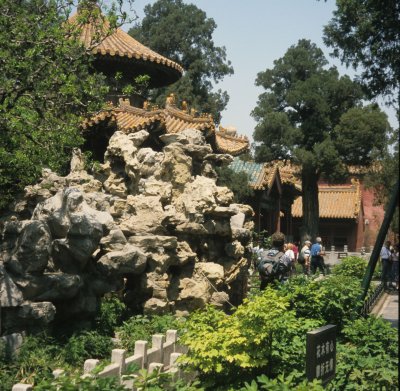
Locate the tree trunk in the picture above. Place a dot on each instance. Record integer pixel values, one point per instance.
(309, 182)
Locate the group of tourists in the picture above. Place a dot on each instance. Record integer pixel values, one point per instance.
(279, 262)
(390, 266)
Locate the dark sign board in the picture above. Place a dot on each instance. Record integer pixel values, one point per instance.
(321, 354)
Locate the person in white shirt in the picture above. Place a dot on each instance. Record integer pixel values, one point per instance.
(386, 258)
(290, 253)
(304, 257)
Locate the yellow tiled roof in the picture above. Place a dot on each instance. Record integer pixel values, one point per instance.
(118, 43)
(342, 201)
(231, 144)
(131, 119)
(177, 120)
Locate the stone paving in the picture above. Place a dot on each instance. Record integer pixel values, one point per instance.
(388, 308)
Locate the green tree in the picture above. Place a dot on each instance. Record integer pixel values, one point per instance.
(183, 33)
(367, 33)
(304, 116)
(238, 182)
(46, 87)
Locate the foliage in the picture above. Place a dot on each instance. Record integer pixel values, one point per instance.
(37, 358)
(351, 266)
(183, 33)
(382, 179)
(142, 327)
(111, 314)
(304, 116)
(261, 336)
(46, 87)
(334, 299)
(238, 182)
(89, 344)
(74, 383)
(366, 33)
(368, 357)
(159, 381)
(282, 383)
(356, 146)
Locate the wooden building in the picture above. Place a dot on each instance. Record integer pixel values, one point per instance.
(116, 51)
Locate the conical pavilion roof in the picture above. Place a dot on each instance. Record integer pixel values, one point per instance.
(118, 51)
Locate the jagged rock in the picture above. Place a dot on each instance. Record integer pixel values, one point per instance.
(176, 167)
(145, 216)
(219, 159)
(148, 160)
(43, 312)
(32, 250)
(152, 242)
(10, 295)
(115, 240)
(151, 187)
(49, 286)
(156, 306)
(234, 250)
(212, 272)
(219, 300)
(237, 221)
(149, 222)
(128, 260)
(12, 343)
(115, 185)
(194, 294)
(157, 284)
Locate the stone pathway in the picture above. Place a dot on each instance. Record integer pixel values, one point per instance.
(388, 308)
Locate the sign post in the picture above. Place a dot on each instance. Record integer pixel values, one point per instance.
(321, 354)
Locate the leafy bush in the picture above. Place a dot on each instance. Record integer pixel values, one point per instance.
(282, 383)
(352, 267)
(89, 344)
(75, 382)
(334, 299)
(341, 301)
(37, 358)
(142, 327)
(261, 336)
(111, 314)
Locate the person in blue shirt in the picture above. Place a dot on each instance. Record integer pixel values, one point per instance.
(317, 259)
(386, 258)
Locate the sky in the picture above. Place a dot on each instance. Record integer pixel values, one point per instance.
(255, 33)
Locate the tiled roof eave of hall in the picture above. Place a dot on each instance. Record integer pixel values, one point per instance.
(130, 119)
(335, 202)
(119, 44)
(234, 145)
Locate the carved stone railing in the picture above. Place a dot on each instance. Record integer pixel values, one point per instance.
(162, 356)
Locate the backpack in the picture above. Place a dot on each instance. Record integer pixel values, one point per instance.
(301, 260)
(272, 264)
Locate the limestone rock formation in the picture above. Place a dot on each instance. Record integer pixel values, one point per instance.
(149, 222)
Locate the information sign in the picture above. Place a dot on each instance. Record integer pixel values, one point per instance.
(321, 354)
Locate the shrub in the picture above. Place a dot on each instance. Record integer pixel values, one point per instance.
(262, 336)
(37, 357)
(142, 327)
(341, 299)
(351, 266)
(334, 299)
(75, 382)
(282, 383)
(111, 314)
(89, 344)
